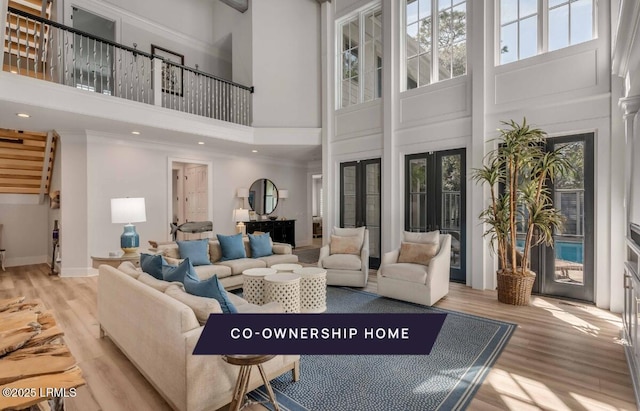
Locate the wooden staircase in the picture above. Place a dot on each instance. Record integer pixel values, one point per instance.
(25, 46)
(26, 161)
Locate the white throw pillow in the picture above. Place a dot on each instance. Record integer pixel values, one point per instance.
(431, 237)
(351, 232)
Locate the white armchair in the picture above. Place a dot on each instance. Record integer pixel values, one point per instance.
(417, 282)
(347, 261)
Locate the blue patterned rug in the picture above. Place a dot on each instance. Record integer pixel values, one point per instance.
(447, 379)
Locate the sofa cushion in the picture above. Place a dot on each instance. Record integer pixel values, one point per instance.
(345, 245)
(417, 253)
(215, 252)
(129, 269)
(195, 250)
(423, 238)
(201, 306)
(179, 273)
(153, 282)
(208, 271)
(169, 250)
(239, 265)
(210, 288)
(232, 247)
(281, 248)
(342, 262)
(279, 259)
(414, 273)
(152, 264)
(260, 245)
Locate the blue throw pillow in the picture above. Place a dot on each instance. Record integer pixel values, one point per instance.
(260, 245)
(210, 288)
(152, 264)
(232, 247)
(179, 273)
(195, 250)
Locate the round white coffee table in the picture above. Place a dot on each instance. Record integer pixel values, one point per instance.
(285, 289)
(313, 289)
(253, 285)
(283, 268)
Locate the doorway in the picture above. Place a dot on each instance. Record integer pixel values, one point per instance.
(567, 269)
(435, 188)
(189, 195)
(360, 201)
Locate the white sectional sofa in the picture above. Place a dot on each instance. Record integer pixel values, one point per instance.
(150, 321)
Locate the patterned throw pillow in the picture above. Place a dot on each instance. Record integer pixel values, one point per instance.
(345, 245)
(417, 253)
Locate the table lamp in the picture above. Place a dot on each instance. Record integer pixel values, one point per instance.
(241, 215)
(128, 211)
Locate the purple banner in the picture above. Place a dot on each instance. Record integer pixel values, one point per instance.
(319, 334)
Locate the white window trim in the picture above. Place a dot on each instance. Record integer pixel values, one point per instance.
(338, 53)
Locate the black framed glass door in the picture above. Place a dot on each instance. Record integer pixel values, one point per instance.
(435, 190)
(360, 201)
(567, 269)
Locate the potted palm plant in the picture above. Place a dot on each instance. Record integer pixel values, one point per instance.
(520, 214)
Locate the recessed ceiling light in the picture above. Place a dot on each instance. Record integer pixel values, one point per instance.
(201, 143)
(254, 151)
(137, 133)
(23, 115)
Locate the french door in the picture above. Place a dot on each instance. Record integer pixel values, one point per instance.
(567, 269)
(360, 201)
(435, 188)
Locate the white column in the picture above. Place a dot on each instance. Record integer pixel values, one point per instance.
(156, 81)
(3, 20)
(329, 200)
(630, 106)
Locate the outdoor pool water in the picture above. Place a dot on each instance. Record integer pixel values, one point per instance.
(565, 250)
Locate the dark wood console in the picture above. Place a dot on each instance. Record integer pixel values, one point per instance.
(282, 231)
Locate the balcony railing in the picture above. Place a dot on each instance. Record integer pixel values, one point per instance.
(47, 50)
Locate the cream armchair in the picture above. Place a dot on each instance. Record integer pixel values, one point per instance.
(423, 281)
(346, 257)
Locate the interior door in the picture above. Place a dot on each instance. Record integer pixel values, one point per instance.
(436, 200)
(360, 200)
(567, 269)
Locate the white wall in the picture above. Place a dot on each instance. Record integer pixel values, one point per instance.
(25, 229)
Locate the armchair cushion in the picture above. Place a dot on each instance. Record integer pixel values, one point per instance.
(422, 238)
(342, 262)
(417, 253)
(350, 232)
(414, 273)
(345, 245)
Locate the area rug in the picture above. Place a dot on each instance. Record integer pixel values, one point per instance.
(447, 379)
(307, 255)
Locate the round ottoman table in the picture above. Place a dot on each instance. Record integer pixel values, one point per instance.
(283, 268)
(313, 289)
(285, 289)
(252, 284)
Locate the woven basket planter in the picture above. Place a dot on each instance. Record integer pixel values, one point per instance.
(515, 289)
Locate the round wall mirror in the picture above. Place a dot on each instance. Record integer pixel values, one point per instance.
(263, 196)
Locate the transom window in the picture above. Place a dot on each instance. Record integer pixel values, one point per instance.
(568, 22)
(435, 45)
(360, 57)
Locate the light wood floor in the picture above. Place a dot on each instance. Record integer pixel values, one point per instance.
(563, 356)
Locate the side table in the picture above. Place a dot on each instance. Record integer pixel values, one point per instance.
(253, 285)
(313, 289)
(246, 362)
(115, 261)
(285, 289)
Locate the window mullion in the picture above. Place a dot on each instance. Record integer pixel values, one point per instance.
(435, 22)
(362, 58)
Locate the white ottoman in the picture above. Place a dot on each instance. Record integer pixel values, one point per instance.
(283, 268)
(313, 289)
(252, 284)
(285, 289)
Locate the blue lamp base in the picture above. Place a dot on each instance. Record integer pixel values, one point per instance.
(130, 240)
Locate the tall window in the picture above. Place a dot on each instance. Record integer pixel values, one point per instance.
(568, 22)
(436, 41)
(360, 57)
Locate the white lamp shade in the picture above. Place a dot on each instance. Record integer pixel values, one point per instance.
(128, 210)
(243, 193)
(283, 193)
(240, 214)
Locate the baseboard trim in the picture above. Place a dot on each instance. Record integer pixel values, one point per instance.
(18, 261)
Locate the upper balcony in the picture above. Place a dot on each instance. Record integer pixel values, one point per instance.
(40, 48)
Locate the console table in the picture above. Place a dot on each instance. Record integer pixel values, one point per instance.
(282, 231)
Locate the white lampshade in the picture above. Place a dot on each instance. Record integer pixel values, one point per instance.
(240, 214)
(243, 193)
(283, 193)
(128, 210)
